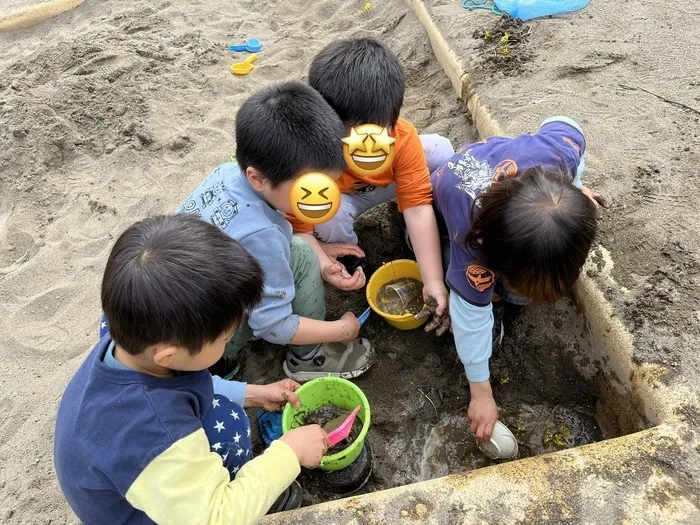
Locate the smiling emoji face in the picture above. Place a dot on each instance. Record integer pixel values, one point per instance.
(368, 150)
(314, 198)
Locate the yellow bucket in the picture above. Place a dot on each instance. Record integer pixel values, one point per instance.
(401, 268)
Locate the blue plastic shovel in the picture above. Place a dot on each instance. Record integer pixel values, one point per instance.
(364, 316)
(252, 45)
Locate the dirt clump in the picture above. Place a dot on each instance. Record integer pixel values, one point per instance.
(504, 45)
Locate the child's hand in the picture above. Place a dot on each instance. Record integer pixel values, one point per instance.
(334, 250)
(309, 443)
(336, 274)
(597, 199)
(351, 327)
(436, 305)
(482, 415)
(273, 396)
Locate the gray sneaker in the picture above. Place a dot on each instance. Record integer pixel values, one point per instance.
(346, 360)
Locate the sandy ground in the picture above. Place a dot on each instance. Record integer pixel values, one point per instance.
(113, 112)
(628, 72)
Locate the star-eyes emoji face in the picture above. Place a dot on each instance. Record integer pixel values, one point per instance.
(369, 149)
(314, 198)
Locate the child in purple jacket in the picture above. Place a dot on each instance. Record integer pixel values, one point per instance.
(517, 226)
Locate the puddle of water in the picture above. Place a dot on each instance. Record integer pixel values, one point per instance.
(450, 447)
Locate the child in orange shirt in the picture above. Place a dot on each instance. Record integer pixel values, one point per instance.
(364, 82)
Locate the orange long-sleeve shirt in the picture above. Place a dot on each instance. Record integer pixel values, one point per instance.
(409, 170)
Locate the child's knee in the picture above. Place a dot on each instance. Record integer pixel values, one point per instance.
(437, 150)
(303, 255)
(341, 227)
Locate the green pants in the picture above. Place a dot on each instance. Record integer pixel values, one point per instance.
(308, 299)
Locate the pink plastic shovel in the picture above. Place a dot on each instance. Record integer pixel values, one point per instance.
(343, 431)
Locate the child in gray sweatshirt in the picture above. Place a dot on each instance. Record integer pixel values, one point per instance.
(283, 132)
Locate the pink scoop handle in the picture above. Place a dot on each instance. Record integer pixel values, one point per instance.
(343, 431)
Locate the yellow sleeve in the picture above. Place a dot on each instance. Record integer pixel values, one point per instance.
(187, 484)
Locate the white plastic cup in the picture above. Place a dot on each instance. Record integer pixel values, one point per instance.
(502, 444)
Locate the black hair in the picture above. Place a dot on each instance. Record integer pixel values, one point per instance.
(288, 128)
(534, 229)
(361, 79)
(178, 280)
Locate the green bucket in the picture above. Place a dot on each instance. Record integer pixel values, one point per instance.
(330, 391)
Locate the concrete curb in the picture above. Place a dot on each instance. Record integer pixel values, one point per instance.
(461, 79)
(35, 14)
(596, 483)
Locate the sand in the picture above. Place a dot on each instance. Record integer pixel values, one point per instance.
(112, 112)
(628, 72)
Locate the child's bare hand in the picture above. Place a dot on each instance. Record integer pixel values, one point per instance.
(482, 415)
(336, 274)
(309, 443)
(437, 307)
(596, 198)
(273, 396)
(335, 250)
(351, 327)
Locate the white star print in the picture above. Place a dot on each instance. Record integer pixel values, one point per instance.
(224, 456)
(219, 426)
(240, 451)
(247, 452)
(237, 437)
(248, 431)
(236, 469)
(216, 446)
(215, 403)
(234, 414)
(103, 325)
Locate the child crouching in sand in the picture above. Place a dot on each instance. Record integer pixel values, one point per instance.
(363, 81)
(517, 227)
(144, 434)
(283, 132)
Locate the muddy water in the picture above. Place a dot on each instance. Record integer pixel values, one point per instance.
(451, 448)
(401, 296)
(324, 415)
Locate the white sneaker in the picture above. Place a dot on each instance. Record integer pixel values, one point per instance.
(346, 360)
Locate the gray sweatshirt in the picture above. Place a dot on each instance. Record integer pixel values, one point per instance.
(227, 200)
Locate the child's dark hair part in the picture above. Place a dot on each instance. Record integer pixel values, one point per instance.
(535, 230)
(287, 128)
(177, 280)
(361, 79)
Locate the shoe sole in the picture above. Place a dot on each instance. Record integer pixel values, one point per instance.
(302, 377)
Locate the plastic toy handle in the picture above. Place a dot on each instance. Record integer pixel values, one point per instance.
(364, 316)
(343, 431)
(245, 67)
